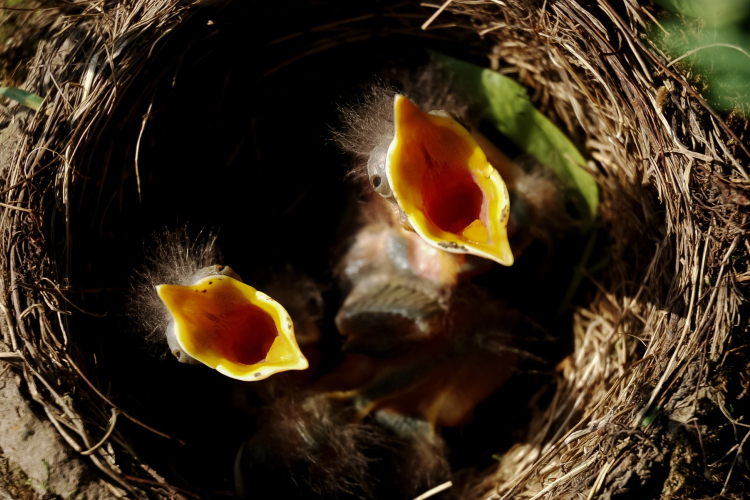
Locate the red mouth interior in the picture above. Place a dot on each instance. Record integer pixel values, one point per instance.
(431, 163)
(452, 200)
(243, 334)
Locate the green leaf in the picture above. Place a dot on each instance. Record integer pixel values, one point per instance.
(720, 55)
(650, 417)
(713, 13)
(22, 97)
(510, 110)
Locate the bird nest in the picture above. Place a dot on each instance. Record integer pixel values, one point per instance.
(150, 105)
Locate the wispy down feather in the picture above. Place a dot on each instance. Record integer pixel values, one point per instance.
(366, 124)
(369, 122)
(171, 258)
(315, 441)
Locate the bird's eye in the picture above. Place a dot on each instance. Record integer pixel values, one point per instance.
(380, 184)
(376, 169)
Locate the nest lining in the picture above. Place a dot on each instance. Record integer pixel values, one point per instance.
(662, 333)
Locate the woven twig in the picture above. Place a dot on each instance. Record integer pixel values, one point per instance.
(665, 321)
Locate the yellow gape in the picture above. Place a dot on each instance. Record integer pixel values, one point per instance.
(232, 327)
(442, 181)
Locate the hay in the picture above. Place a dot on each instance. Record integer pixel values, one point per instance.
(644, 402)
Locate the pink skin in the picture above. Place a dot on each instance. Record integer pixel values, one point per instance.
(431, 263)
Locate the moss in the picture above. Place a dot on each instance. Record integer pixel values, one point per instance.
(17, 484)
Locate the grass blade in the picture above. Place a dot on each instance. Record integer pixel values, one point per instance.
(22, 97)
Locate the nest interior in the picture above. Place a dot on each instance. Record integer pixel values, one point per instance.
(166, 113)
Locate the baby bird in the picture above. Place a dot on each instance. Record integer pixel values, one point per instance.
(423, 347)
(445, 180)
(421, 341)
(397, 288)
(208, 315)
(310, 445)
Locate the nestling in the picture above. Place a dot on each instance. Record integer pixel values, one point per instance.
(208, 315)
(446, 180)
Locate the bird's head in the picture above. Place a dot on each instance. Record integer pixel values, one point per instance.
(445, 189)
(228, 325)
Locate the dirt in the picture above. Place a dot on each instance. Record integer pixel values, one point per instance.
(14, 484)
(35, 462)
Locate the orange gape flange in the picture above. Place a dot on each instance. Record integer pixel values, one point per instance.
(232, 327)
(442, 181)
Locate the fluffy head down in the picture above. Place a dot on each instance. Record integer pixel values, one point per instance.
(311, 446)
(172, 258)
(366, 124)
(312, 440)
(369, 123)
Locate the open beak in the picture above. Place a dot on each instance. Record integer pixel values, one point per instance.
(232, 327)
(443, 183)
